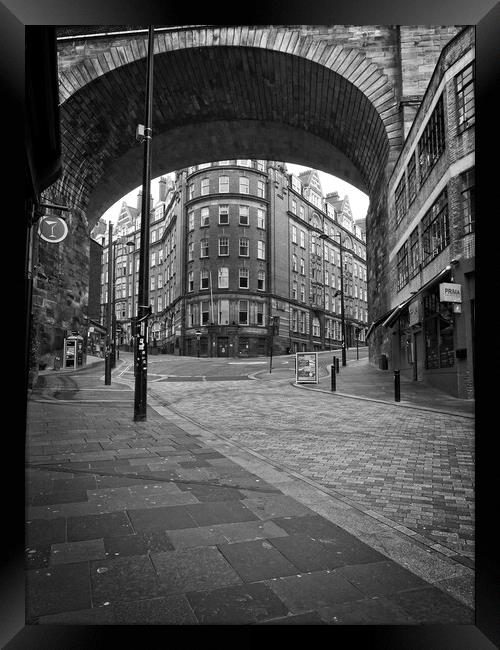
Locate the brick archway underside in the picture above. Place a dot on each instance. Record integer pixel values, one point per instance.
(213, 103)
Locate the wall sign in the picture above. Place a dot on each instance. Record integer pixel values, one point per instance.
(306, 367)
(52, 229)
(450, 292)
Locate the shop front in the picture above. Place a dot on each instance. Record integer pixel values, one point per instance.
(430, 341)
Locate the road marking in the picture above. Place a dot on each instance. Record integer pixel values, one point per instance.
(245, 363)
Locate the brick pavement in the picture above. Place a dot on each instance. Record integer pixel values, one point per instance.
(162, 522)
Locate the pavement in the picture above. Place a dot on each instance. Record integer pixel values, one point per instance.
(169, 522)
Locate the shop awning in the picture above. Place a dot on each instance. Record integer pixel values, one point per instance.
(397, 311)
(391, 316)
(379, 320)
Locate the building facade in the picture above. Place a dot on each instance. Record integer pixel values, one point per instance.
(429, 332)
(244, 258)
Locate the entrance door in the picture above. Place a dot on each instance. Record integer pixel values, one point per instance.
(222, 346)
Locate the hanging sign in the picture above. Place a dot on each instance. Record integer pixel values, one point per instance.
(306, 367)
(450, 292)
(52, 229)
(414, 312)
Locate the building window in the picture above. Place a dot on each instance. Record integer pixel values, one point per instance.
(205, 312)
(223, 277)
(261, 165)
(204, 248)
(414, 254)
(243, 247)
(261, 280)
(191, 221)
(190, 251)
(153, 258)
(294, 320)
(223, 184)
(223, 215)
(205, 186)
(244, 185)
(224, 162)
(190, 191)
(261, 218)
(432, 141)
(302, 322)
(261, 189)
(190, 281)
(159, 281)
(243, 312)
(402, 266)
(204, 217)
(294, 262)
(261, 313)
(294, 206)
(302, 239)
(301, 211)
(464, 82)
(153, 236)
(302, 266)
(243, 278)
(223, 245)
(294, 290)
(327, 278)
(302, 293)
(294, 234)
(204, 279)
(438, 333)
(244, 163)
(261, 250)
(412, 179)
(467, 180)
(400, 200)
(244, 215)
(223, 312)
(435, 228)
(159, 304)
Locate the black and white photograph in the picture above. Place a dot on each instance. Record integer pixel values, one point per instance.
(250, 363)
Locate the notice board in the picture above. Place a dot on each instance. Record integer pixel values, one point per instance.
(306, 367)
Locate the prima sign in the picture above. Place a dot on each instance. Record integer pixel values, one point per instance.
(450, 292)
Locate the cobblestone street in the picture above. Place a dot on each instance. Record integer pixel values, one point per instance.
(414, 467)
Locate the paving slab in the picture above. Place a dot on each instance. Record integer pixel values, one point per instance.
(161, 518)
(124, 579)
(381, 578)
(224, 533)
(369, 611)
(257, 560)
(43, 531)
(240, 605)
(98, 526)
(310, 591)
(70, 552)
(137, 544)
(430, 605)
(193, 569)
(219, 512)
(57, 589)
(275, 505)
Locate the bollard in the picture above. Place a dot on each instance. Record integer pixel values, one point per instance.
(337, 364)
(334, 378)
(397, 386)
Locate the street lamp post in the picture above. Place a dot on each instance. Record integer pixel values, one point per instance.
(107, 355)
(143, 307)
(342, 307)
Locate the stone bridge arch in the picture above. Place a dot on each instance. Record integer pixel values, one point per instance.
(333, 98)
(325, 99)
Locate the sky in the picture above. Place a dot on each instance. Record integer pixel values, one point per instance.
(357, 200)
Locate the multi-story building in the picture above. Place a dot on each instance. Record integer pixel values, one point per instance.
(429, 332)
(243, 256)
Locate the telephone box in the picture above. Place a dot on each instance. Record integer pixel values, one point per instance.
(73, 351)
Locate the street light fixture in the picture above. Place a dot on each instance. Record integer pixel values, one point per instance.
(342, 309)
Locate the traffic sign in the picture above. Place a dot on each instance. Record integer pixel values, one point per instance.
(52, 229)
